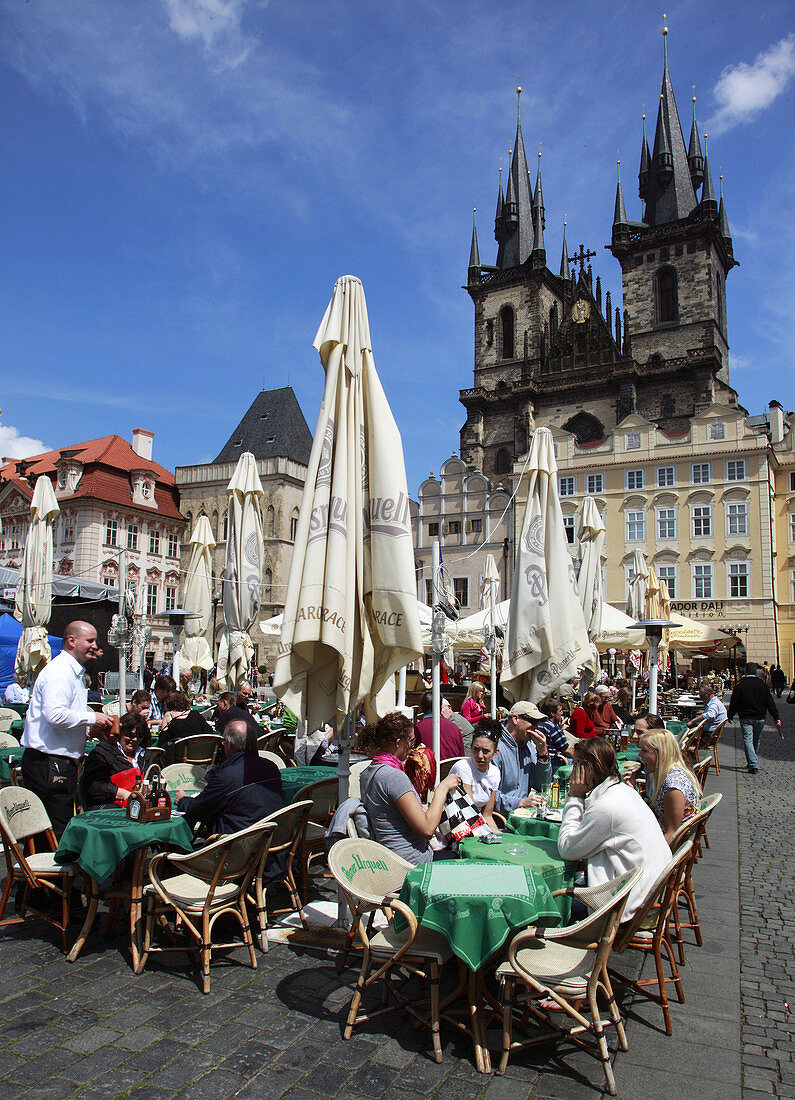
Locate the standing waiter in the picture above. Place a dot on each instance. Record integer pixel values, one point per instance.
(56, 725)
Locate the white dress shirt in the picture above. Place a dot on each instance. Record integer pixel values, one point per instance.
(16, 694)
(58, 716)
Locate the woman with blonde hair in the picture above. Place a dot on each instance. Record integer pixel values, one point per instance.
(672, 790)
(473, 707)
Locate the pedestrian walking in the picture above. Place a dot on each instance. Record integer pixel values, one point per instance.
(750, 701)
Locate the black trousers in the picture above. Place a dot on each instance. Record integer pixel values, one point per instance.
(54, 780)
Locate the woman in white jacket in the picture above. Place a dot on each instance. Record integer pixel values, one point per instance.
(608, 825)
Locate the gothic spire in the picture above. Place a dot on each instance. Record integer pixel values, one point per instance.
(670, 195)
(708, 200)
(516, 241)
(645, 164)
(722, 217)
(694, 158)
(539, 218)
(564, 258)
(498, 217)
(474, 254)
(620, 215)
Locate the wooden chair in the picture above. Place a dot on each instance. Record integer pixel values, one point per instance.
(701, 771)
(24, 818)
(568, 966)
(202, 748)
(184, 777)
(691, 830)
(688, 740)
(649, 931)
(370, 875)
(211, 882)
(7, 716)
(285, 843)
(8, 741)
(711, 745)
(324, 795)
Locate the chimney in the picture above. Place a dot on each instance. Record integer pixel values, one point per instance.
(776, 420)
(142, 443)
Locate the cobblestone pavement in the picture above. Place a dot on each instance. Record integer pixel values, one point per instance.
(95, 1029)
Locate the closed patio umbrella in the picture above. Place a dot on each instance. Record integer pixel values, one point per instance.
(636, 597)
(350, 616)
(242, 571)
(196, 652)
(34, 590)
(547, 640)
(589, 573)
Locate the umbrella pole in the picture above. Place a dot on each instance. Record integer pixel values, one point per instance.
(436, 682)
(122, 613)
(401, 699)
(653, 679)
(343, 777)
(493, 653)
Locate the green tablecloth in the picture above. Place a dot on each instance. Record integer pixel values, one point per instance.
(100, 839)
(677, 728)
(293, 779)
(17, 728)
(7, 758)
(537, 853)
(476, 905)
(533, 826)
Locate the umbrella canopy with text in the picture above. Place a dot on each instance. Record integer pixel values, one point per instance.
(547, 640)
(34, 591)
(198, 598)
(242, 571)
(350, 616)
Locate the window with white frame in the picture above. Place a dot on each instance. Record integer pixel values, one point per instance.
(700, 473)
(635, 479)
(461, 591)
(173, 545)
(636, 526)
(629, 573)
(667, 573)
(477, 526)
(454, 527)
(171, 597)
(12, 537)
(791, 518)
(666, 523)
(132, 536)
(111, 532)
(151, 599)
(792, 586)
(737, 518)
(738, 580)
(594, 483)
(717, 430)
(567, 486)
(735, 469)
(68, 530)
(792, 481)
(632, 441)
(702, 521)
(666, 476)
(154, 540)
(702, 581)
(108, 581)
(568, 527)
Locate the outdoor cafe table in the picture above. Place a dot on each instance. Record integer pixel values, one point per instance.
(99, 841)
(476, 904)
(9, 757)
(293, 779)
(536, 849)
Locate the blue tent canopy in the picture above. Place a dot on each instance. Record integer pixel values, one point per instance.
(10, 633)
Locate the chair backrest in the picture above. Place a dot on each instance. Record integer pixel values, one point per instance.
(199, 749)
(367, 870)
(354, 779)
(234, 856)
(274, 758)
(324, 795)
(112, 708)
(8, 741)
(22, 814)
(184, 777)
(445, 765)
(290, 825)
(689, 736)
(701, 770)
(658, 901)
(7, 716)
(715, 736)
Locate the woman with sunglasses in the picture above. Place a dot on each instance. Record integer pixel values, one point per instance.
(112, 768)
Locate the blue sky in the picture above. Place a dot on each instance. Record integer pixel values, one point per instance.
(184, 180)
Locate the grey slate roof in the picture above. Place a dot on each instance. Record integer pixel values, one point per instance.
(274, 426)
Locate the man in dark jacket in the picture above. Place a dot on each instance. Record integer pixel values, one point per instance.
(226, 711)
(240, 791)
(451, 743)
(750, 700)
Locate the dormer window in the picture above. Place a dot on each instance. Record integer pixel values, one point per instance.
(146, 489)
(143, 488)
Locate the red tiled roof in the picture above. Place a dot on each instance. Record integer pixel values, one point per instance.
(590, 443)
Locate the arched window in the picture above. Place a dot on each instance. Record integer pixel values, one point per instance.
(270, 521)
(267, 583)
(667, 305)
(293, 524)
(226, 525)
(668, 405)
(553, 319)
(506, 332)
(215, 524)
(503, 461)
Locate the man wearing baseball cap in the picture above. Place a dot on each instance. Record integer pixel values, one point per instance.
(523, 759)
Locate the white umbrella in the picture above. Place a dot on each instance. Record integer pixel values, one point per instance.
(636, 597)
(617, 632)
(196, 652)
(242, 571)
(350, 616)
(547, 640)
(273, 626)
(589, 575)
(34, 590)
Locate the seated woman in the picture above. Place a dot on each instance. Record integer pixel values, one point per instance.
(479, 775)
(672, 790)
(112, 768)
(623, 706)
(180, 721)
(473, 708)
(581, 722)
(398, 818)
(607, 824)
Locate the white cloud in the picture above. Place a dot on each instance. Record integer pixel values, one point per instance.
(738, 362)
(14, 445)
(743, 90)
(215, 23)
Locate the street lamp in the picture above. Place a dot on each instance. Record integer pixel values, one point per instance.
(176, 620)
(653, 629)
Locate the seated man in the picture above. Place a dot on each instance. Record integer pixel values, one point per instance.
(164, 686)
(240, 791)
(141, 703)
(451, 743)
(714, 713)
(523, 759)
(552, 729)
(227, 710)
(17, 691)
(467, 729)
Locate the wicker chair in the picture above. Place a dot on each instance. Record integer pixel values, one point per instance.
(286, 841)
(711, 745)
(184, 777)
(649, 931)
(7, 716)
(24, 818)
(8, 741)
(369, 875)
(274, 758)
(693, 830)
(568, 966)
(324, 796)
(701, 770)
(212, 882)
(201, 748)
(446, 765)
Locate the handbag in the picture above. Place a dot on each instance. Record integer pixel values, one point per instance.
(460, 818)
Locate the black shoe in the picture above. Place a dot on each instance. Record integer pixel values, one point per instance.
(752, 771)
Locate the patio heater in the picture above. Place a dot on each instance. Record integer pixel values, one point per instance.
(653, 629)
(700, 657)
(176, 620)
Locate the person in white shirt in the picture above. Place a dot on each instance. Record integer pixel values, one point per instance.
(56, 725)
(714, 712)
(479, 775)
(607, 824)
(17, 691)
